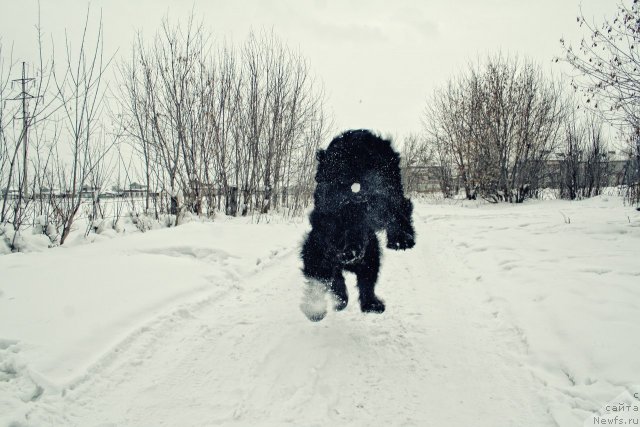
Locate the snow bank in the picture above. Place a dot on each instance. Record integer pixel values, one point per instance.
(66, 306)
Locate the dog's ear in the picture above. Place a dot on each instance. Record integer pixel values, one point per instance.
(321, 155)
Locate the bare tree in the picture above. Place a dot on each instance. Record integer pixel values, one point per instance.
(44, 140)
(132, 114)
(282, 115)
(226, 151)
(80, 89)
(597, 167)
(571, 173)
(450, 123)
(221, 123)
(165, 96)
(416, 162)
(498, 124)
(6, 67)
(584, 163)
(33, 110)
(607, 63)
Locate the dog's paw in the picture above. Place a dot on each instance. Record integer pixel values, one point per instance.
(400, 241)
(372, 305)
(340, 302)
(314, 303)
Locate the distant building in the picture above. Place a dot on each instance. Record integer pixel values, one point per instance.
(203, 188)
(136, 189)
(49, 192)
(12, 193)
(89, 191)
(422, 178)
(110, 194)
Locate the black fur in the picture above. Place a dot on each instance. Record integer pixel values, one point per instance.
(344, 223)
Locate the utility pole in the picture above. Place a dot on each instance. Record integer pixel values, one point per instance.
(24, 96)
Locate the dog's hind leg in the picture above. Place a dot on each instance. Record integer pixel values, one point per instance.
(318, 271)
(339, 291)
(367, 274)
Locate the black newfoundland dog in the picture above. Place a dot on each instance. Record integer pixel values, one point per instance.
(358, 193)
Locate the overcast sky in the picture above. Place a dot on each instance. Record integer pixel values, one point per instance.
(379, 60)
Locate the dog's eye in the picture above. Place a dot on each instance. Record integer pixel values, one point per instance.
(355, 187)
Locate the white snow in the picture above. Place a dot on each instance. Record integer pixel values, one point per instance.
(501, 315)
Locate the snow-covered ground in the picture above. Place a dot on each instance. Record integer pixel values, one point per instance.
(501, 315)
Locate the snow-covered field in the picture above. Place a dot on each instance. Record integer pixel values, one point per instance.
(501, 315)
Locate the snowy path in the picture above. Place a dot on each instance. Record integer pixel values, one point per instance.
(500, 316)
(246, 357)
